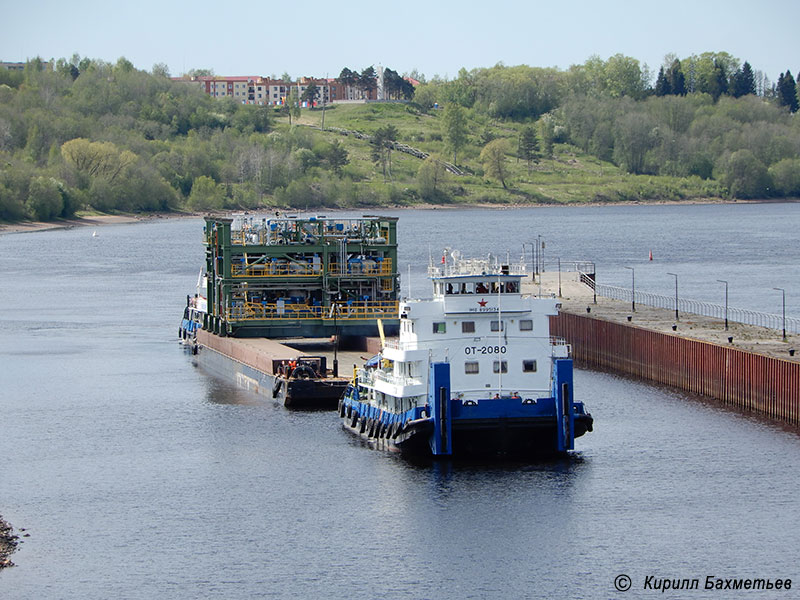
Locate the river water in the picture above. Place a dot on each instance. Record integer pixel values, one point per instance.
(139, 476)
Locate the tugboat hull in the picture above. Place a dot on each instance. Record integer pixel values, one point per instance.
(492, 428)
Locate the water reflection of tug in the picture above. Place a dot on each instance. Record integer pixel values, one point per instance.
(276, 288)
(475, 372)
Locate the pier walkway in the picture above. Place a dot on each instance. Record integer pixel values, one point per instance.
(577, 297)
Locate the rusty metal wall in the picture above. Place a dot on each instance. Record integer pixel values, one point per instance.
(747, 381)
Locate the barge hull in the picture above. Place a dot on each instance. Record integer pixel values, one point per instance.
(251, 362)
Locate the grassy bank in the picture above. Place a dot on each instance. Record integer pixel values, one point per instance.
(567, 176)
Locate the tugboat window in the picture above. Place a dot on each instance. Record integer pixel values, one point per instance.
(471, 368)
(500, 366)
(467, 326)
(498, 326)
(526, 325)
(440, 327)
(528, 366)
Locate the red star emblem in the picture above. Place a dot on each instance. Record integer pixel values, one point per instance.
(482, 302)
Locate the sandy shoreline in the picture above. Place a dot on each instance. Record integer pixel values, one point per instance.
(93, 221)
(98, 220)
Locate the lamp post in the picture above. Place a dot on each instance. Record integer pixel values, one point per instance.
(539, 261)
(783, 293)
(726, 302)
(675, 275)
(559, 277)
(533, 258)
(633, 289)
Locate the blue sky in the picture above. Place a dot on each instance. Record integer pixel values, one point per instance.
(318, 38)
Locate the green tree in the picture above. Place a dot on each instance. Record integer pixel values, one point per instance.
(291, 105)
(425, 96)
(663, 88)
(44, 199)
(528, 146)
(348, 77)
(634, 136)
(744, 81)
(719, 80)
(310, 94)
(455, 128)
(676, 79)
(337, 157)
(160, 70)
(368, 80)
(785, 176)
(787, 91)
(547, 133)
(707, 71)
(396, 87)
(744, 175)
(250, 118)
(382, 143)
(97, 159)
(431, 179)
(206, 194)
(493, 158)
(625, 77)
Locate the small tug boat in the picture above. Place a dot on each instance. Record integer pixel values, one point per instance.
(474, 373)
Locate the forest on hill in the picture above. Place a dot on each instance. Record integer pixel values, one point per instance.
(86, 135)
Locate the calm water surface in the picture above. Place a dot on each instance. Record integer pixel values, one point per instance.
(139, 476)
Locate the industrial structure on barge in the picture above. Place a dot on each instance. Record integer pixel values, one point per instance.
(281, 297)
(301, 277)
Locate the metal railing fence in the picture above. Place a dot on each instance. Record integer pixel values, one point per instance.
(707, 309)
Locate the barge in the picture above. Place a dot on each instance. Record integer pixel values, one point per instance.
(273, 284)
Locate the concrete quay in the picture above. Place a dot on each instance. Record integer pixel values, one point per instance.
(577, 297)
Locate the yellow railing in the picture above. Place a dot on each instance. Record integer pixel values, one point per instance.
(253, 311)
(383, 267)
(308, 270)
(275, 270)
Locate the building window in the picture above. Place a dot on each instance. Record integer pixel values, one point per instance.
(440, 327)
(500, 366)
(471, 367)
(467, 326)
(526, 325)
(498, 326)
(529, 366)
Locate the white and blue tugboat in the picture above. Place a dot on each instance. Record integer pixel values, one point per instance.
(474, 373)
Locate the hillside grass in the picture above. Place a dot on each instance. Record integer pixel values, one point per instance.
(568, 177)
